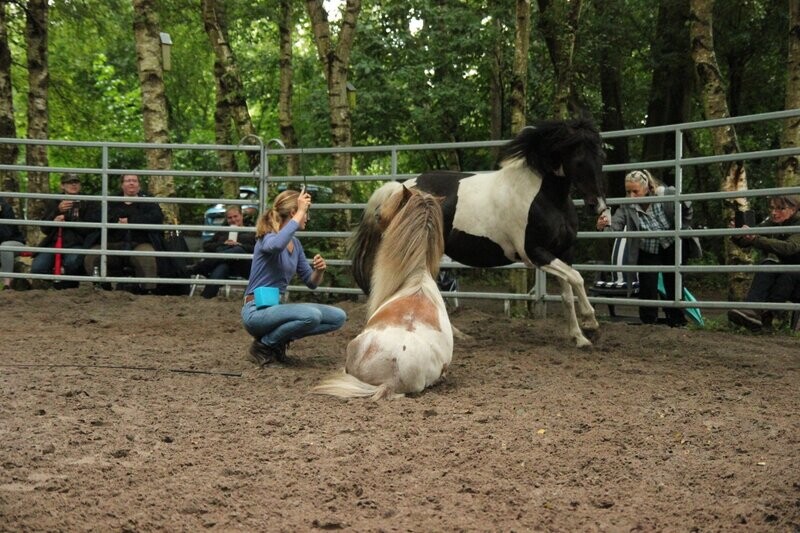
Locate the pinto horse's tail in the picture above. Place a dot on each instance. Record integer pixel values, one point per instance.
(363, 245)
(346, 386)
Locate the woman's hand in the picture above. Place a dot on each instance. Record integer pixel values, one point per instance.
(602, 222)
(319, 266)
(747, 238)
(303, 202)
(318, 263)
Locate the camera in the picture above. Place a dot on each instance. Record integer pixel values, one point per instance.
(74, 211)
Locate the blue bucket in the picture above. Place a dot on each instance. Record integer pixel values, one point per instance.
(267, 297)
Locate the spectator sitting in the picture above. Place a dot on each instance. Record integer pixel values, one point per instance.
(71, 238)
(223, 242)
(10, 235)
(132, 239)
(779, 248)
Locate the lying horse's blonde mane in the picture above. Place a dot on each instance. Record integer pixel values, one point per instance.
(412, 244)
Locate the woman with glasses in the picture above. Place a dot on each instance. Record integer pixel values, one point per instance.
(783, 248)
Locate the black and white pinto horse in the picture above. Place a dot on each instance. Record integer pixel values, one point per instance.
(522, 212)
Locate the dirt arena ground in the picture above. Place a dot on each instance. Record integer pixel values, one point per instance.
(140, 413)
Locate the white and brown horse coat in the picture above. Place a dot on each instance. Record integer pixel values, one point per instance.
(407, 343)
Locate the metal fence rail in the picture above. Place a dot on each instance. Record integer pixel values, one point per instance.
(538, 295)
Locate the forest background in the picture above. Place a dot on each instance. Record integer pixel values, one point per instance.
(363, 72)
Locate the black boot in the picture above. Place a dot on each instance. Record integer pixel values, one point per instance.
(263, 354)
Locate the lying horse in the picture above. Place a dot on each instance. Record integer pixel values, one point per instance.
(522, 212)
(407, 342)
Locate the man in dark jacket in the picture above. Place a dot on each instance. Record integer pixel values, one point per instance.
(70, 238)
(138, 240)
(10, 235)
(782, 248)
(227, 242)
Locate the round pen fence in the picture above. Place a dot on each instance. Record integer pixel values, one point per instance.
(389, 168)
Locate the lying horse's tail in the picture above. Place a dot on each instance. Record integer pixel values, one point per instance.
(346, 386)
(364, 243)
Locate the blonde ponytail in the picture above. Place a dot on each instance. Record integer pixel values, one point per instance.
(284, 205)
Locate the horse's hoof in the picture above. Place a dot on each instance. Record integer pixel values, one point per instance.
(592, 334)
(583, 343)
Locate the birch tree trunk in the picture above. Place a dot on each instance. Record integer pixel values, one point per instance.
(154, 102)
(285, 118)
(496, 93)
(335, 59)
(520, 279)
(8, 152)
(559, 24)
(734, 176)
(230, 80)
(519, 72)
(789, 167)
(223, 127)
(38, 86)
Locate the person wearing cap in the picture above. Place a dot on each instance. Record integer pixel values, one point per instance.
(781, 248)
(72, 238)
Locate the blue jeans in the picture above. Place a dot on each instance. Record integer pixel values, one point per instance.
(44, 262)
(279, 324)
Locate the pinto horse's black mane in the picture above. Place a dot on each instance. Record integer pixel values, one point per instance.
(544, 142)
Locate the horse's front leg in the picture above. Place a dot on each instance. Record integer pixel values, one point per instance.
(585, 309)
(567, 277)
(569, 307)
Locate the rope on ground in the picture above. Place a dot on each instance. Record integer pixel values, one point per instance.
(124, 367)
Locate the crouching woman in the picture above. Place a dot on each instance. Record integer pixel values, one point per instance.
(277, 257)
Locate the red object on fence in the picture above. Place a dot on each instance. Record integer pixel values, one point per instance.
(59, 244)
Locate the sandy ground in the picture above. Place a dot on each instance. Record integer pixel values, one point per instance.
(141, 413)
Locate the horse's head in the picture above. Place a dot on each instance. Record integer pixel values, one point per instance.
(572, 149)
(390, 207)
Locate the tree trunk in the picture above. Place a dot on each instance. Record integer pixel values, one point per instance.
(519, 74)
(222, 134)
(335, 60)
(519, 88)
(672, 84)
(38, 85)
(154, 102)
(230, 82)
(285, 98)
(611, 54)
(724, 138)
(8, 129)
(496, 89)
(558, 21)
(789, 167)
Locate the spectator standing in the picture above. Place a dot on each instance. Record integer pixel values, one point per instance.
(652, 216)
